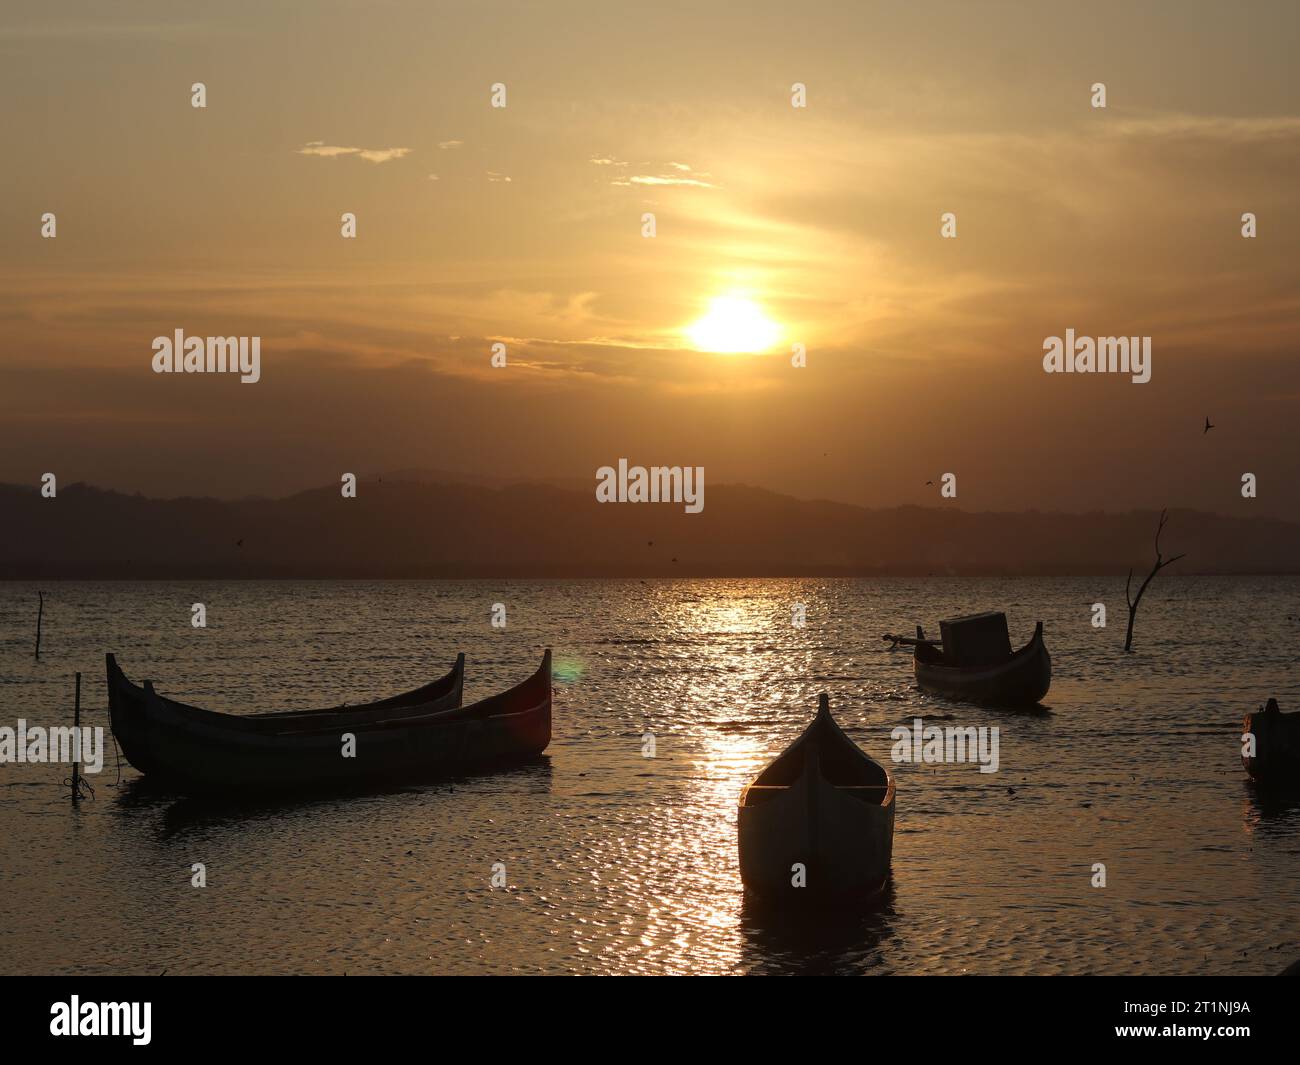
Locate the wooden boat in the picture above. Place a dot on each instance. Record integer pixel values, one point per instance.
(988, 672)
(824, 805)
(1275, 760)
(423, 732)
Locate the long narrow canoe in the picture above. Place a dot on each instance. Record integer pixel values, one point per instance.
(425, 732)
(821, 812)
(1020, 679)
(1273, 755)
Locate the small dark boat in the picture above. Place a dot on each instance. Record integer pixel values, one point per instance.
(974, 663)
(423, 732)
(822, 805)
(1271, 747)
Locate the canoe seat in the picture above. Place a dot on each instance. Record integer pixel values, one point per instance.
(839, 787)
(859, 791)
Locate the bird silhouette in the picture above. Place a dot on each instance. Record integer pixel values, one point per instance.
(239, 543)
(929, 482)
(649, 543)
(1208, 426)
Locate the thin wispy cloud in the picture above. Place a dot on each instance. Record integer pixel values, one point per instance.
(678, 174)
(334, 151)
(446, 145)
(383, 155)
(653, 179)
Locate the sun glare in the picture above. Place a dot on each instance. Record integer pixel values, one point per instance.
(734, 325)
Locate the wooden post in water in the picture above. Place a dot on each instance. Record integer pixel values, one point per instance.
(39, 611)
(76, 724)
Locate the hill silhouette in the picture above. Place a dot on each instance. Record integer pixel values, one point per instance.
(398, 528)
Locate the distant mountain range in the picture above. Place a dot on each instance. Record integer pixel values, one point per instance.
(406, 526)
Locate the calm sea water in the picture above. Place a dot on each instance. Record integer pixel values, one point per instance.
(621, 864)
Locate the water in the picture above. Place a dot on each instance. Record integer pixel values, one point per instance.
(621, 864)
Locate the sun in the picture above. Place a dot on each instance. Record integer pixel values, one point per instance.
(734, 324)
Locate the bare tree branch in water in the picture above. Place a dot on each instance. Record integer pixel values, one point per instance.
(1160, 564)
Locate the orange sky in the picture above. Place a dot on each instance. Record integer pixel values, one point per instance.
(924, 354)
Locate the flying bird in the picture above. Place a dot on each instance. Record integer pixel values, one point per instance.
(1208, 426)
(239, 543)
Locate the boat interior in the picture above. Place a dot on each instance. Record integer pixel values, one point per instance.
(396, 712)
(410, 704)
(416, 697)
(838, 762)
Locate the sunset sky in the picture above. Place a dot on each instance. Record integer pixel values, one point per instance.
(523, 225)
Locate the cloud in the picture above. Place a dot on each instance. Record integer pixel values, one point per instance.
(328, 151)
(1211, 128)
(492, 175)
(651, 179)
(678, 177)
(383, 155)
(333, 151)
(445, 145)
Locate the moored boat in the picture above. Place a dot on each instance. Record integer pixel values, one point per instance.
(974, 663)
(1271, 746)
(423, 732)
(818, 822)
